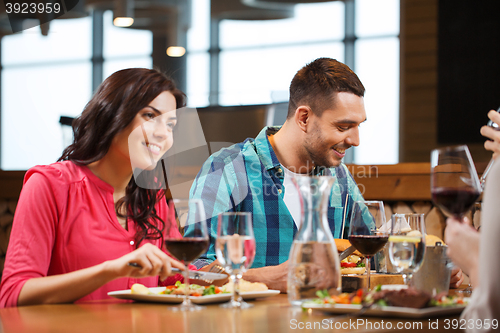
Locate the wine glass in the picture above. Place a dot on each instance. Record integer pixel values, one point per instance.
(455, 185)
(368, 231)
(187, 249)
(407, 244)
(235, 248)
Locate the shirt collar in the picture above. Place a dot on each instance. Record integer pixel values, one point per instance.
(268, 156)
(264, 148)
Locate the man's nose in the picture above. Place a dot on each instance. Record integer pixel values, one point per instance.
(353, 137)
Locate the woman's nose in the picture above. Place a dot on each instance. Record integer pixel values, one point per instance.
(160, 130)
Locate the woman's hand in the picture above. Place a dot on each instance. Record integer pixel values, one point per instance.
(463, 246)
(152, 262)
(494, 143)
(457, 278)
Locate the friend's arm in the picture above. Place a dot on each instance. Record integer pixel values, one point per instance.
(275, 277)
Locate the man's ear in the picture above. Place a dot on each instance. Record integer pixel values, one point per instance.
(303, 117)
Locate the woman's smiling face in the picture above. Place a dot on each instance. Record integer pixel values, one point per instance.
(148, 137)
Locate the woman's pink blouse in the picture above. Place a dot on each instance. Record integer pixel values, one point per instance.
(65, 220)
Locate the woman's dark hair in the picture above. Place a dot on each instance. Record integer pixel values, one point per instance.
(316, 83)
(112, 108)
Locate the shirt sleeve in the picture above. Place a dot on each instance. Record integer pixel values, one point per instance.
(32, 237)
(484, 306)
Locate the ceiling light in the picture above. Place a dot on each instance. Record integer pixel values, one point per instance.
(123, 21)
(176, 51)
(123, 13)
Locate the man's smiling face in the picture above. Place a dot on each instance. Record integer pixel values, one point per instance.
(335, 131)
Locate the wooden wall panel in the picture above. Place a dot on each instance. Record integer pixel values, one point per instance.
(418, 103)
(419, 83)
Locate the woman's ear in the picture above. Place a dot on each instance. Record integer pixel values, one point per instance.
(303, 117)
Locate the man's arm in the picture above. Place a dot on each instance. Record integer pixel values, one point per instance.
(275, 277)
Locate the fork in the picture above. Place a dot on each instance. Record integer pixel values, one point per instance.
(214, 269)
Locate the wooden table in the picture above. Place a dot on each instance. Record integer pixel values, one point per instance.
(273, 315)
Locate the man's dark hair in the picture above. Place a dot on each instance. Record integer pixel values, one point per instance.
(316, 83)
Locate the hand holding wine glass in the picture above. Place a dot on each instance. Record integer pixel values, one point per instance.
(368, 231)
(455, 185)
(187, 249)
(235, 248)
(407, 244)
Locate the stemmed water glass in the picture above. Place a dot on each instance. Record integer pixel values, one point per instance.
(235, 249)
(368, 231)
(454, 182)
(407, 244)
(187, 249)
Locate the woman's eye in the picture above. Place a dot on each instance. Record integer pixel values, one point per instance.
(171, 125)
(149, 115)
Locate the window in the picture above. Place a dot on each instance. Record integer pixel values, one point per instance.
(43, 77)
(124, 47)
(46, 77)
(256, 61)
(377, 65)
(259, 58)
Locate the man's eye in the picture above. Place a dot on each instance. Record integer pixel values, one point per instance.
(343, 128)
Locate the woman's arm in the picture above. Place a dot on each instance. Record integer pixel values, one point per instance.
(72, 286)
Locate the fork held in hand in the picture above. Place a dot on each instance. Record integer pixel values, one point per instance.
(207, 277)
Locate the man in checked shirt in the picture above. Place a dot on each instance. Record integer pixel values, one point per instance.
(325, 110)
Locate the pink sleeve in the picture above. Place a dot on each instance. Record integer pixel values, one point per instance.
(31, 239)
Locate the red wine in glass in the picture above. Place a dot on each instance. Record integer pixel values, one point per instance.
(186, 249)
(368, 230)
(368, 245)
(455, 185)
(455, 201)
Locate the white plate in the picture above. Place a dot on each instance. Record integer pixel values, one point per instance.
(388, 311)
(249, 295)
(394, 287)
(155, 296)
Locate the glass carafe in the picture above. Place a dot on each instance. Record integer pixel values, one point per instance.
(314, 261)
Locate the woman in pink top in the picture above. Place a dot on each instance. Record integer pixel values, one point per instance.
(80, 221)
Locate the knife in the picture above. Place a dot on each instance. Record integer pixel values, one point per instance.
(195, 275)
(347, 252)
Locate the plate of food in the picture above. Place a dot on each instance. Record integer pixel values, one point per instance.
(198, 294)
(251, 290)
(173, 294)
(390, 302)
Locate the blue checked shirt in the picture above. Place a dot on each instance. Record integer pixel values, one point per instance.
(247, 177)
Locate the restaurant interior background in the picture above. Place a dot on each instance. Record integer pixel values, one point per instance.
(428, 67)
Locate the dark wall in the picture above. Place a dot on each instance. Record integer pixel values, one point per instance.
(468, 68)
